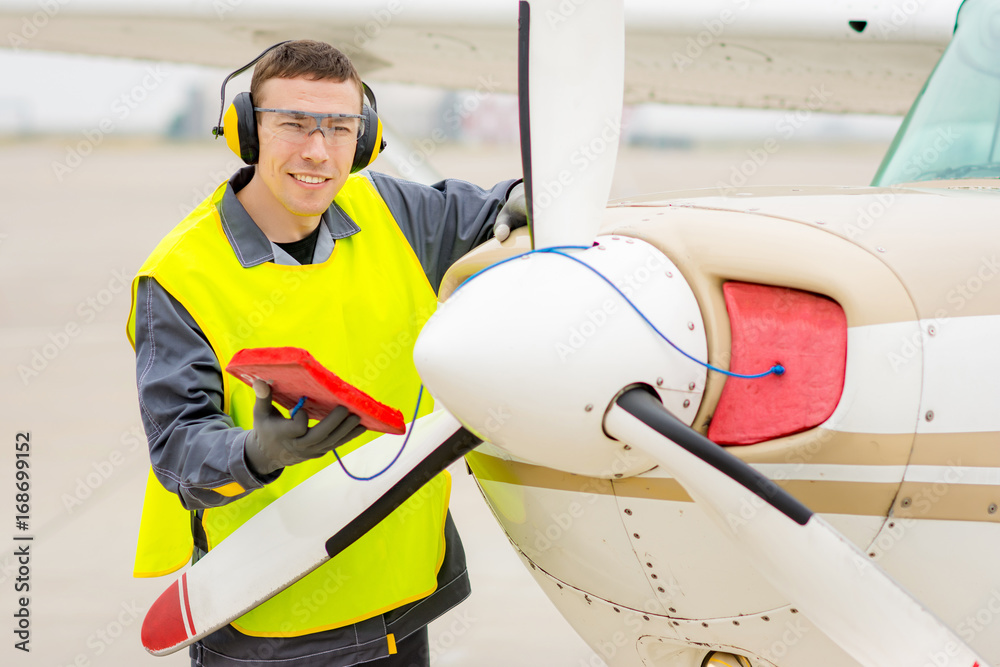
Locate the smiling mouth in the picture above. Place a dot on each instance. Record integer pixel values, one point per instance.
(309, 179)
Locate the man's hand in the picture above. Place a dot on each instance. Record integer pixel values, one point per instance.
(276, 442)
(514, 214)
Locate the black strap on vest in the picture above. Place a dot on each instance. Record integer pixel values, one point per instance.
(198, 530)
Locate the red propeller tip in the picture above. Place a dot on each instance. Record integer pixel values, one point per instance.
(164, 627)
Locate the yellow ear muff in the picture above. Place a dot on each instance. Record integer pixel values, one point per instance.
(371, 142)
(378, 142)
(239, 126)
(230, 126)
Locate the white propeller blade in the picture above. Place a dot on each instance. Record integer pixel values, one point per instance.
(300, 531)
(843, 592)
(571, 77)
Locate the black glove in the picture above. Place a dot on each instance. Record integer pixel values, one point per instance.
(276, 442)
(514, 214)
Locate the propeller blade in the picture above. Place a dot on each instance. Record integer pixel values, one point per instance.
(300, 531)
(571, 77)
(822, 573)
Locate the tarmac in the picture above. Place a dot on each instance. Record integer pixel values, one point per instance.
(73, 232)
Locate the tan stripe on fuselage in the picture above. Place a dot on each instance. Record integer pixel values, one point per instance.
(830, 447)
(955, 502)
(947, 502)
(978, 450)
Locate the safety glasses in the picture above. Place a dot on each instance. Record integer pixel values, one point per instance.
(297, 126)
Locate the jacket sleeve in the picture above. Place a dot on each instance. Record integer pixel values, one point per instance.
(443, 221)
(194, 447)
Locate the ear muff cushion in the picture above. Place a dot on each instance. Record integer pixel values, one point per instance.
(243, 141)
(230, 129)
(370, 144)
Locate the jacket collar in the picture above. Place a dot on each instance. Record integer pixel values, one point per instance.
(249, 243)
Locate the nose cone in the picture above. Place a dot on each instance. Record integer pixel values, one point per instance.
(529, 355)
(480, 351)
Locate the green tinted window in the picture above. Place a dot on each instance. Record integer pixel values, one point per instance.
(953, 128)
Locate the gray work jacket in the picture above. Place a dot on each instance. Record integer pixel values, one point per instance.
(195, 447)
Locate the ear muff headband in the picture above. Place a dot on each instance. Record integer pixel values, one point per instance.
(238, 123)
(219, 129)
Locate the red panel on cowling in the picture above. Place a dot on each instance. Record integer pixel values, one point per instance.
(804, 332)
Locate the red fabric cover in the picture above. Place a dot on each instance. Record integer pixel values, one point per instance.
(293, 373)
(163, 626)
(804, 332)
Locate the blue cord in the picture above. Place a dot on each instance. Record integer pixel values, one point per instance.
(398, 454)
(511, 259)
(302, 401)
(777, 369)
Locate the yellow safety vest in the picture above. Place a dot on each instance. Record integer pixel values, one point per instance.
(359, 314)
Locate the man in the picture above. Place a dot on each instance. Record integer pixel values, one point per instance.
(296, 251)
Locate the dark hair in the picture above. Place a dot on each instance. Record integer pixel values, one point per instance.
(304, 58)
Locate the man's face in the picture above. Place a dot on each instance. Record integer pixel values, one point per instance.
(283, 165)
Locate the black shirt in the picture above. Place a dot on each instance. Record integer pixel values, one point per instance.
(302, 250)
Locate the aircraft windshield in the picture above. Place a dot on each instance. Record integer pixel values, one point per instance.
(953, 129)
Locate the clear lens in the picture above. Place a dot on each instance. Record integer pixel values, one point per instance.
(297, 127)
